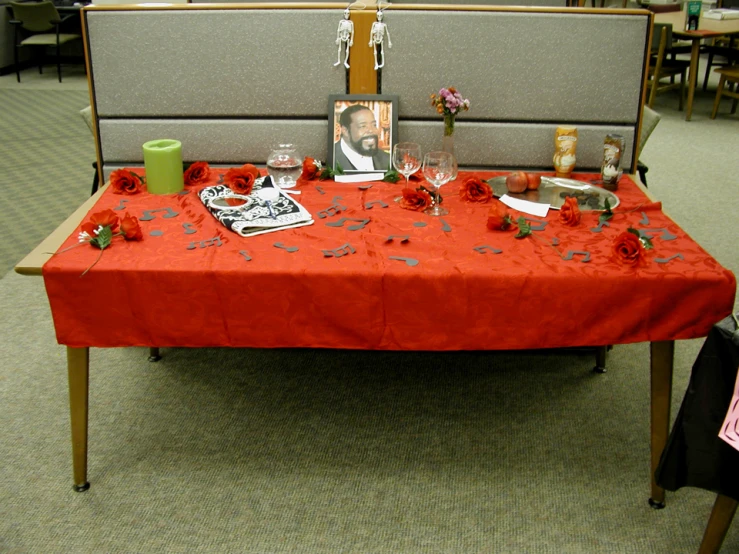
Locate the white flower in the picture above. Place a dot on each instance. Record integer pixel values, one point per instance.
(97, 231)
(84, 237)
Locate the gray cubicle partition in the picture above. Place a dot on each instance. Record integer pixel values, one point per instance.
(525, 73)
(230, 81)
(227, 83)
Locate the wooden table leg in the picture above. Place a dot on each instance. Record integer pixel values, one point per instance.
(692, 77)
(662, 355)
(78, 367)
(718, 524)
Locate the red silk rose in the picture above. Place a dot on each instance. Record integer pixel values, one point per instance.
(498, 217)
(569, 213)
(241, 179)
(475, 190)
(197, 174)
(628, 249)
(130, 228)
(416, 200)
(123, 181)
(105, 218)
(311, 169)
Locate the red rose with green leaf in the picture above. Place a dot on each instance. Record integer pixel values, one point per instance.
(105, 218)
(628, 248)
(311, 169)
(498, 217)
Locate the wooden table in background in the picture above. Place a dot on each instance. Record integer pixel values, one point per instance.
(707, 29)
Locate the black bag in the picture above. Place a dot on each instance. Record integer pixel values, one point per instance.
(694, 455)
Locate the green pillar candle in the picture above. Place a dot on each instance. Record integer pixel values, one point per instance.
(163, 162)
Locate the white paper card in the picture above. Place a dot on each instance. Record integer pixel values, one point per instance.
(359, 177)
(531, 208)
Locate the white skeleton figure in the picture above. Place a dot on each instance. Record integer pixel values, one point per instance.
(377, 37)
(345, 34)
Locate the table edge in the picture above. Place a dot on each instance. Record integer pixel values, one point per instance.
(34, 261)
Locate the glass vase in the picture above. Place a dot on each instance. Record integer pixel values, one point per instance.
(447, 143)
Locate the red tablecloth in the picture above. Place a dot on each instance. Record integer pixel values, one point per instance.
(157, 292)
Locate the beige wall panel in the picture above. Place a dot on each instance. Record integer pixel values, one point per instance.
(224, 141)
(214, 62)
(504, 145)
(519, 66)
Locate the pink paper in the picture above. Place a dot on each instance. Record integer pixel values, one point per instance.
(730, 428)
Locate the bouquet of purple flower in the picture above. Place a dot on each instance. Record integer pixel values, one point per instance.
(449, 103)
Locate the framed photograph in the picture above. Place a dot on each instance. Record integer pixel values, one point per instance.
(362, 129)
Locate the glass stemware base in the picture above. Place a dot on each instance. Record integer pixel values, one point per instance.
(436, 210)
(407, 184)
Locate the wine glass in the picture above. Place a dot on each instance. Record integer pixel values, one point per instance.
(407, 159)
(438, 168)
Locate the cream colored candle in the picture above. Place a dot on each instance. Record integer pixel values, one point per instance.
(163, 162)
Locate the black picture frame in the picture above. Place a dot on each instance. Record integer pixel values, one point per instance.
(384, 108)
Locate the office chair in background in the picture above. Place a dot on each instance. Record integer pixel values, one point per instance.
(37, 24)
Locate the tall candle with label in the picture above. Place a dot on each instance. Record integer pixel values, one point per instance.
(163, 162)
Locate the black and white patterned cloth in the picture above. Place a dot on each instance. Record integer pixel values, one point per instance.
(253, 217)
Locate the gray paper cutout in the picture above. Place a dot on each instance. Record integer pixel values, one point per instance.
(245, 254)
(122, 205)
(215, 241)
(678, 256)
(331, 211)
(536, 224)
(369, 205)
(663, 231)
(571, 255)
(445, 226)
(409, 261)
(486, 248)
(343, 250)
(290, 249)
(600, 226)
(148, 214)
(189, 228)
(340, 223)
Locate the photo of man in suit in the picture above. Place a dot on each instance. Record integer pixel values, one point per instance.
(358, 149)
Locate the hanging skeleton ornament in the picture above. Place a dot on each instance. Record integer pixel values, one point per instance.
(377, 39)
(344, 35)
